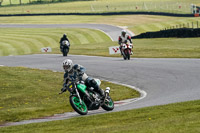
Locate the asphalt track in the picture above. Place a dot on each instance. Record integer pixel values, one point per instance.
(161, 81)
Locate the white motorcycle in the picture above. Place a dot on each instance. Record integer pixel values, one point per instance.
(126, 50)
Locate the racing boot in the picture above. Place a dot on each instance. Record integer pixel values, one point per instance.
(102, 93)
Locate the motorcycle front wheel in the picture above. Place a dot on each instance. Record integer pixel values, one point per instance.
(128, 55)
(65, 51)
(124, 56)
(108, 104)
(79, 107)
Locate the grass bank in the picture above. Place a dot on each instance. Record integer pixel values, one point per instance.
(30, 93)
(148, 48)
(136, 23)
(172, 118)
(16, 41)
(178, 6)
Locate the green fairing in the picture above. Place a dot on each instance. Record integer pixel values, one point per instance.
(82, 87)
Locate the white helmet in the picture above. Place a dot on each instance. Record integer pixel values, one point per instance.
(67, 65)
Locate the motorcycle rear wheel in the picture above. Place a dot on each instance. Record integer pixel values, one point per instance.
(79, 107)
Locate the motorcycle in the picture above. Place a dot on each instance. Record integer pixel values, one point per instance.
(65, 47)
(83, 98)
(127, 50)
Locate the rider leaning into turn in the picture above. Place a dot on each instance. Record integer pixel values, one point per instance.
(124, 38)
(78, 71)
(64, 37)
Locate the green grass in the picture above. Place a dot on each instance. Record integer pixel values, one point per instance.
(103, 6)
(147, 48)
(16, 41)
(167, 48)
(172, 118)
(136, 23)
(30, 93)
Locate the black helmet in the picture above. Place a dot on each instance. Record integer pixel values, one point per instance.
(123, 32)
(65, 35)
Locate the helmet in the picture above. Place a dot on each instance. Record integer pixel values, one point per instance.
(65, 35)
(123, 32)
(67, 65)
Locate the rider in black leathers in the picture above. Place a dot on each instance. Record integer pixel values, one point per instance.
(63, 39)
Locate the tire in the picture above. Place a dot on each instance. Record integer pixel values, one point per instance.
(77, 106)
(67, 50)
(124, 56)
(64, 52)
(128, 55)
(109, 104)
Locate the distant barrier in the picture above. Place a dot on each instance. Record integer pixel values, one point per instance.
(184, 25)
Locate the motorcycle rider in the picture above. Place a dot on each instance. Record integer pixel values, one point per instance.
(124, 38)
(77, 71)
(64, 37)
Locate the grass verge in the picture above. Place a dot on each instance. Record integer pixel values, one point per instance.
(178, 6)
(172, 118)
(30, 93)
(146, 48)
(136, 23)
(16, 41)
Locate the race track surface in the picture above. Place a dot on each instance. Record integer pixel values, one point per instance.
(164, 80)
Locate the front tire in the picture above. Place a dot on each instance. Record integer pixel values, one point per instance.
(128, 55)
(124, 56)
(79, 107)
(64, 52)
(108, 104)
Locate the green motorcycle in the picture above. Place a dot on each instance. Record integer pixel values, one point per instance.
(83, 98)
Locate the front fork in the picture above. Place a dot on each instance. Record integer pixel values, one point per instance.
(107, 91)
(78, 94)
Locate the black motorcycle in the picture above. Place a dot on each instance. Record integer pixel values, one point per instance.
(65, 47)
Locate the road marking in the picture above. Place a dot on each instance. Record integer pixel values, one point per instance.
(128, 101)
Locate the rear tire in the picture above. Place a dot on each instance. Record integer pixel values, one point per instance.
(77, 106)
